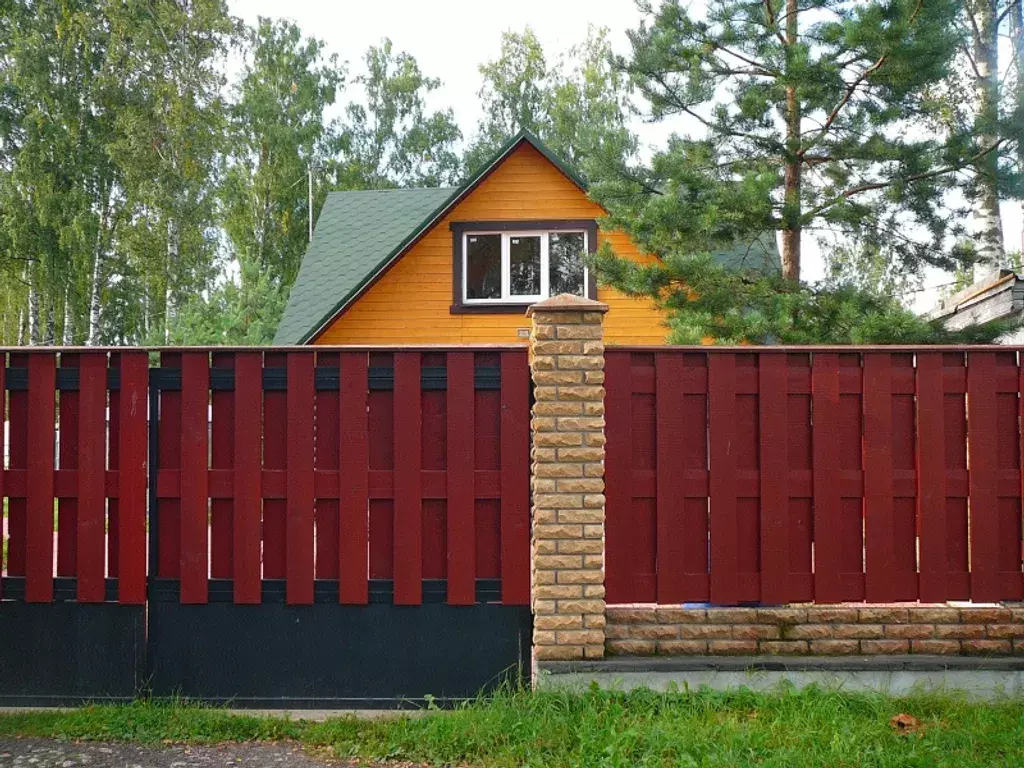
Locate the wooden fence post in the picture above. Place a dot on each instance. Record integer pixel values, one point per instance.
(567, 478)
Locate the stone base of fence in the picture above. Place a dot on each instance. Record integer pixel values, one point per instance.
(815, 630)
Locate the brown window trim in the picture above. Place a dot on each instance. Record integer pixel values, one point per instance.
(459, 228)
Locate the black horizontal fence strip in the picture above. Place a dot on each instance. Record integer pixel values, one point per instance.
(326, 378)
(67, 379)
(65, 589)
(325, 591)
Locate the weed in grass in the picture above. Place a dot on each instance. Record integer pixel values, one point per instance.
(599, 729)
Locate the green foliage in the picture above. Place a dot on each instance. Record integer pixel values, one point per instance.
(563, 729)
(803, 122)
(278, 132)
(578, 106)
(392, 140)
(235, 314)
(706, 301)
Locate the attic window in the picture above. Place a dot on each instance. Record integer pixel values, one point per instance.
(504, 266)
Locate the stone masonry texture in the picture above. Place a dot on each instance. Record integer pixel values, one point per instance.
(567, 478)
(816, 630)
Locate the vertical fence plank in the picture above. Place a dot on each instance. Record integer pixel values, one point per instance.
(3, 453)
(222, 427)
(39, 509)
(619, 559)
(461, 480)
(931, 478)
(17, 460)
(827, 518)
(325, 513)
(275, 424)
(515, 478)
(722, 477)
(168, 461)
(248, 478)
(774, 477)
(880, 572)
(1008, 507)
(113, 460)
(983, 475)
(353, 528)
(195, 392)
(132, 463)
(408, 516)
(92, 518)
(670, 479)
(299, 536)
(67, 456)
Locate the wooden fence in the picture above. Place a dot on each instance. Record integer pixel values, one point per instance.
(348, 469)
(776, 475)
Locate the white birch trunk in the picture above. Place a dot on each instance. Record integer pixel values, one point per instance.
(68, 328)
(97, 281)
(988, 224)
(34, 334)
(173, 260)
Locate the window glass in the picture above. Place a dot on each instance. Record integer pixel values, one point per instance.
(524, 265)
(483, 267)
(565, 263)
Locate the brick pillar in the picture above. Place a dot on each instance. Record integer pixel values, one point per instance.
(567, 478)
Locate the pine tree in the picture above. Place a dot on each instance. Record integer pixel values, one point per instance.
(807, 120)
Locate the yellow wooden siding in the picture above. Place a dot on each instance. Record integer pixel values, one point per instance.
(410, 304)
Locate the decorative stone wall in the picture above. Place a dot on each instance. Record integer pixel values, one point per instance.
(816, 630)
(567, 366)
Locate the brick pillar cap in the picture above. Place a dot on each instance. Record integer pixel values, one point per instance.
(567, 302)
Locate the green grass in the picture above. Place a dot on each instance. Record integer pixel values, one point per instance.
(596, 729)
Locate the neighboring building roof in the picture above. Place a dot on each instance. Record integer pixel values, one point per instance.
(361, 233)
(1001, 297)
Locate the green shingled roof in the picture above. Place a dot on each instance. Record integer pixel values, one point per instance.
(355, 233)
(359, 233)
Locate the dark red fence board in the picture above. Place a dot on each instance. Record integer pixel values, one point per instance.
(514, 508)
(353, 530)
(461, 507)
(39, 475)
(67, 460)
(132, 468)
(17, 460)
(3, 450)
(326, 459)
(300, 431)
(774, 468)
(92, 517)
(831, 474)
(275, 428)
(169, 462)
(194, 479)
(222, 451)
(407, 519)
(248, 477)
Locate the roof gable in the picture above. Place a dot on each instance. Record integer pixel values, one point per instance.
(361, 233)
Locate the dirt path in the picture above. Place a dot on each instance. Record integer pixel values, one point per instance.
(48, 753)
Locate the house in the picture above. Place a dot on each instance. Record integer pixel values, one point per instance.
(997, 297)
(420, 266)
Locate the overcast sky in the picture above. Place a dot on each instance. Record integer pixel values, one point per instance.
(450, 38)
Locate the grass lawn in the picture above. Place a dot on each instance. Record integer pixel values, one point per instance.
(789, 728)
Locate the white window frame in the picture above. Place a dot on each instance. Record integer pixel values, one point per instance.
(506, 264)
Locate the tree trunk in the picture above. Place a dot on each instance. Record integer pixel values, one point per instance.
(1017, 51)
(96, 283)
(34, 334)
(791, 225)
(988, 225)
(68, 326)
(51, 329)
(173, 259)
